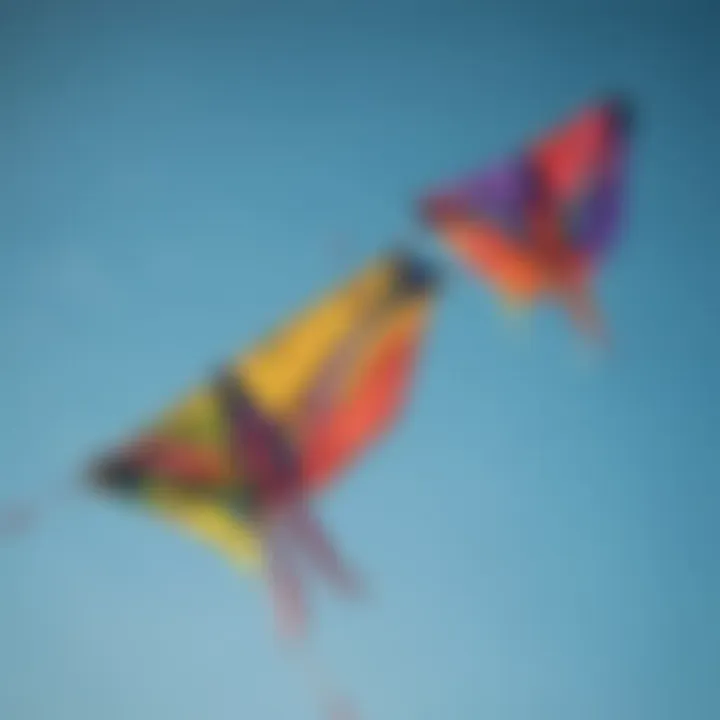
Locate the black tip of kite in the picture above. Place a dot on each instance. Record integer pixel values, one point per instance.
(415, 274)
(114, 472)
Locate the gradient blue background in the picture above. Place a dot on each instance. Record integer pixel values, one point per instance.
(540, 533)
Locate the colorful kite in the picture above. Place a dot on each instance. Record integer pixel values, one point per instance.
(539, 224)
(238, 460)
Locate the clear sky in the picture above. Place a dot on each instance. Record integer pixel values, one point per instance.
(540, 533)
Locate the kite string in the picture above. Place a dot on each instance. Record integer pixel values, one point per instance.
(21, 517)
(331, 702)
(334, 705)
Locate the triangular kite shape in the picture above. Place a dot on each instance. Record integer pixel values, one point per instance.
(327, 384)
(539, 223)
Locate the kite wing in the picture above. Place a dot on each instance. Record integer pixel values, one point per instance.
(482, 219)
(357, 345)
(489, 252)
(583, 163)
(210, 521)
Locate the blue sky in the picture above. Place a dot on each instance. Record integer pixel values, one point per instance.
(540, 533)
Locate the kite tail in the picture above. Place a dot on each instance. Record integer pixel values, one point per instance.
(285, 583)
(315, 544)
(292, 528)
(332, 703)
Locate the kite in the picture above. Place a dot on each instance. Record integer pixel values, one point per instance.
(538, 225)
(238, 460)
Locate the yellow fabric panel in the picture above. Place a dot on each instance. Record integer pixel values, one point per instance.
(212, 523)
(280, 368)
(197, 417)
(197, 421)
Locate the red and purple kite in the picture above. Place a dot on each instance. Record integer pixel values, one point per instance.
(539, 224)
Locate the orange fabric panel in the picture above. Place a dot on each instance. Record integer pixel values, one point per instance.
(511, 268)
(363, 414)
(568, 153)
